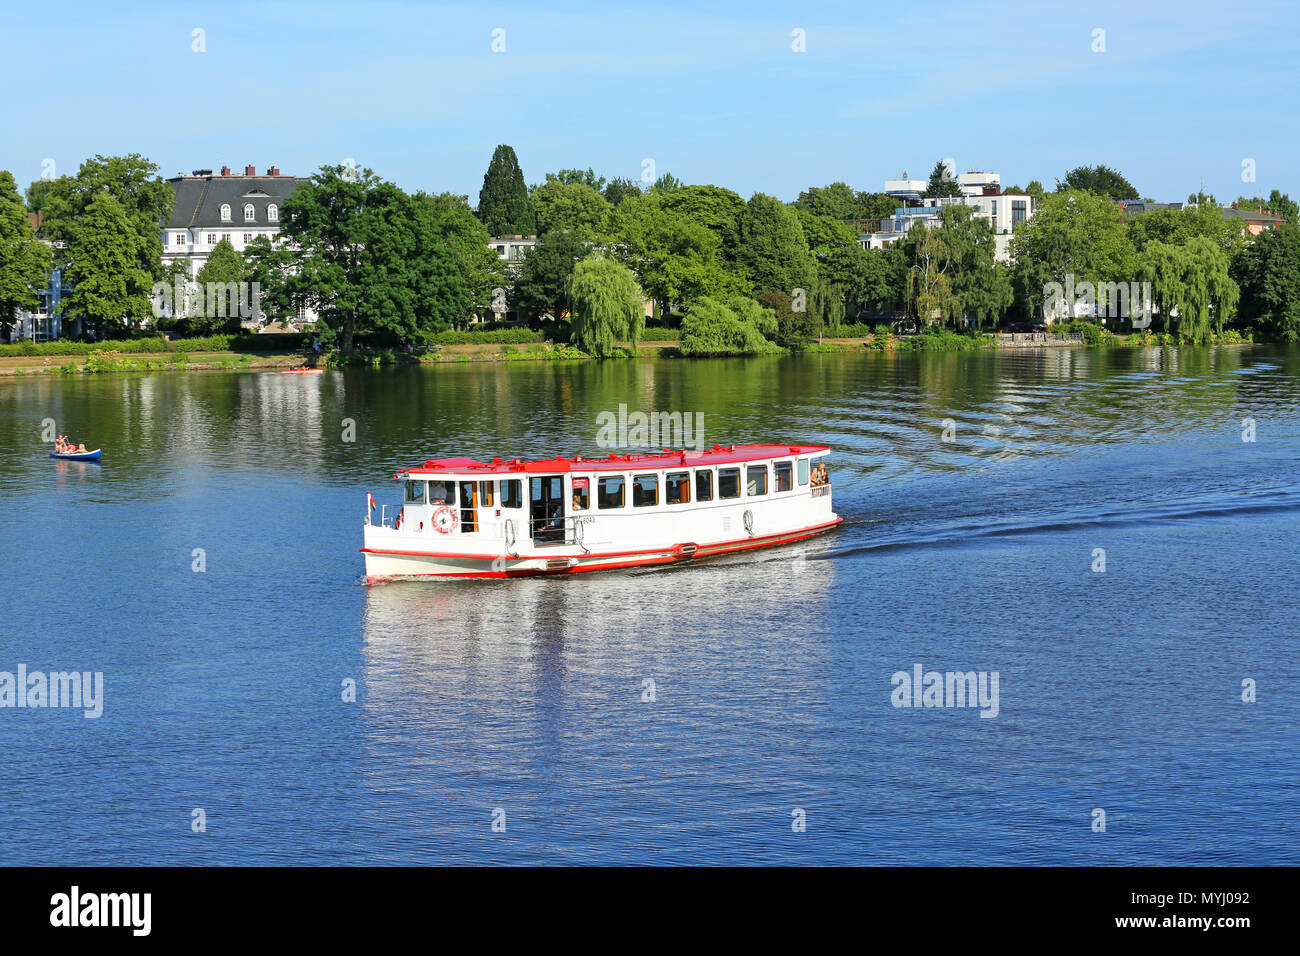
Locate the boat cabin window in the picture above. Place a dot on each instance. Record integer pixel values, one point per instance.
(784, 471)
(803, 471)
(756, 480)
(820, 475)
(704, 484)
(677, 487)
(512, 493)
(581, 494)
(611, 491)
(415, 492)
(442, 493)
(485, 494)
(645, 491)
(728, 482)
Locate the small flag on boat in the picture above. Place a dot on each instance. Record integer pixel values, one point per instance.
(370, 501)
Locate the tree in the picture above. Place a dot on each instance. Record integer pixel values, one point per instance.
(619, 188)
(110, 286)
(1278, 203)
(930, 295)
(675, 259)
(143, 197)
(37, 193)
(943, 181)
(220, 313)
(543, 283)
(607, 306)
(712, 328)
(715, 208)
(503, 203)
(1190, 286)
(24, 259)
(1268, 273)
(1177, 226)
(575, 207)
(794, 329)
(363, 255)
(579, 177)
(461, 286)
(1101, 180)
(981, 285)
(1077, 234)
(666, 184)
(772, 249)
(836, 201)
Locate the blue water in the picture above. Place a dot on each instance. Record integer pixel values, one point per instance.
(772, 672)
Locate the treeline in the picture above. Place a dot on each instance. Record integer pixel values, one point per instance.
(729, 274)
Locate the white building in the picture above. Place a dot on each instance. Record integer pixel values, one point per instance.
(981, 190)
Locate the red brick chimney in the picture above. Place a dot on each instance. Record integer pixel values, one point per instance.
(274, 171)
(225, 170)
(250, 171)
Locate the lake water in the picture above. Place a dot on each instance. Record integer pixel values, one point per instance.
(1119, 690)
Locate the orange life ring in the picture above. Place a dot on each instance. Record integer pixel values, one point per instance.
(445, 520)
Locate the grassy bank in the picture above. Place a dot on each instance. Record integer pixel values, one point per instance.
(253, 352)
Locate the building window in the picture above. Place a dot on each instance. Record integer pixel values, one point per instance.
(249, 214)
(1019, 212)
(248, 237)
(225, 212)
(212, 238)
(273, 213)
(610, 494)
(180, 239)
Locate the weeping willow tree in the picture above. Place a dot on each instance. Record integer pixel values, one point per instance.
(929, 290)
(606, 305)
(1190, 286)
(828, 304)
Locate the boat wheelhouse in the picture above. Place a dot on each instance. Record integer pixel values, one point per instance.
(465, 518)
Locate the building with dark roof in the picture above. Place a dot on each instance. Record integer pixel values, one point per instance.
(225, 205)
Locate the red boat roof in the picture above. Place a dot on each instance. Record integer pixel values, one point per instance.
(717, 455)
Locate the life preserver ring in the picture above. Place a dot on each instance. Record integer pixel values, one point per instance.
(445, 520)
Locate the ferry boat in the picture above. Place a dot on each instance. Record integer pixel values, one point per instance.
(461, 518)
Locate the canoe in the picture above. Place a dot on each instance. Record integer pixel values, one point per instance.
(302, 371)
(77, 456)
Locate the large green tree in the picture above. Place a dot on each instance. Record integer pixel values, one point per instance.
(1099, 180)
(456, 260)
(1268, 273)
(573, 207)
(1191, 286)
(145, 200)
(607, 306)
(24, 259)
(364, 256)
(772, 249)
(543, 282)
(503, 203)
(110, 286)
(1076, 233)
(981, 285)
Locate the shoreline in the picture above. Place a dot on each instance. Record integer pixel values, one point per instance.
(230, 361)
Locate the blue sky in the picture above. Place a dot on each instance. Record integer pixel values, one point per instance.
(1183, 94)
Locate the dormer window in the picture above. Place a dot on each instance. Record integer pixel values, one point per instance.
(225, 212)
(273, 213)
(249, 214)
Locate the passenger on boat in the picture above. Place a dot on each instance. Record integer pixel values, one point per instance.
(437, 493)
(577, 503)
(819, 475)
